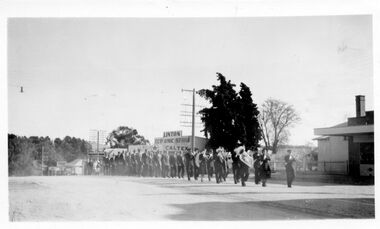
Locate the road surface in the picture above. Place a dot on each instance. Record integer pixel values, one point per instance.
(102, 198)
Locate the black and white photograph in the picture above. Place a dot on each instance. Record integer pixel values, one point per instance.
(232, 118)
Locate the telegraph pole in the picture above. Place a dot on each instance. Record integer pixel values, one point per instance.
(97, 144)
(42, 160)
(192, 118)
(96, 137)
(193, 124)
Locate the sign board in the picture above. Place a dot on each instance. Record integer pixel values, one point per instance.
(172, 140)
(173, 143)
(177, 133)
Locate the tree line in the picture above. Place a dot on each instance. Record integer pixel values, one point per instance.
(25, 153)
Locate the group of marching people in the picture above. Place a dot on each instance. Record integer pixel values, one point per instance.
(243, 160)
(197, 165)
(154, 163)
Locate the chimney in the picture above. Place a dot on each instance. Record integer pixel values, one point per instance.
(360, 106)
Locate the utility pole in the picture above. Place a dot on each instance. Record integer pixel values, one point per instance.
(96, 136)
(192, 117)
(42, 160)
(97, 144)
(193, 124)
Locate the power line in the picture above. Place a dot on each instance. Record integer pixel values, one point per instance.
(190, 105)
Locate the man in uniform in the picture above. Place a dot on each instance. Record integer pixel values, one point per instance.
(165, 164)
(150, 163)
(244, 168)
(133, 163)
(202, 164)
(173, 165)
(265, 171)
(257, 156)
(180, 165)
(235, 166)
(210, 163)
(218, 164)
(289, 159)
(139, 166)
(189, 163)
(156, 164)
(196, 163)
(144, 162)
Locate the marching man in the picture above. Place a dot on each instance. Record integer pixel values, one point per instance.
(265, 171)
(289, 159)
(246, 162)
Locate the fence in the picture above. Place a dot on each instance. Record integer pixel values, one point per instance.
(324, 167)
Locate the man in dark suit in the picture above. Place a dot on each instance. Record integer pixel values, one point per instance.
(196, 163)
(257, 156)
(265, 171)
(244, 168)
(173, 165)
(189, 163)
(157, 163)
(144, 163)
(235, 166)
(289, 159)
(210, 163)
(165, 164)
(180, 165)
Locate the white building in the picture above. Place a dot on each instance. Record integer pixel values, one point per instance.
(351, 142)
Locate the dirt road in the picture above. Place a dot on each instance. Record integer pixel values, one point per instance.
(99, 198)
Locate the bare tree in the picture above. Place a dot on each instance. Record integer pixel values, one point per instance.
(276, 117)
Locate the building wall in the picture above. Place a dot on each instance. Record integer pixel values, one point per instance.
(333, 155)
(335, 148)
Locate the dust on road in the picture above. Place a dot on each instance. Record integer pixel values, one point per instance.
(102, 198)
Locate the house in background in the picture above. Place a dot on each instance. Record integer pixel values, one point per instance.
(75, 167)
(351, 142)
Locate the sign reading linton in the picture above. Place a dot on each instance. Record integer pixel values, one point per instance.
(173, 141)
(177, 133)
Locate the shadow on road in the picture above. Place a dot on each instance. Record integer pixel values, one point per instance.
(277, 210)
(246, 193)
(321, 180)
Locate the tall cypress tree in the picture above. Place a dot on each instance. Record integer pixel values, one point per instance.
(219, 119)
(247, 123)
(232, 117)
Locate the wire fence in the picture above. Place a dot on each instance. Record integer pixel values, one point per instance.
(324, 167)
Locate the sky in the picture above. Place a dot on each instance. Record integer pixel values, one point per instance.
(81, 74)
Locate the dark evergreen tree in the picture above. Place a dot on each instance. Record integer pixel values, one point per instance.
(232, 117)
(247, 123)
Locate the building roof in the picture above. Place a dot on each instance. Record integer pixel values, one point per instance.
(345, 131)
(321, 138)
(344, 124)
(76, 162)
